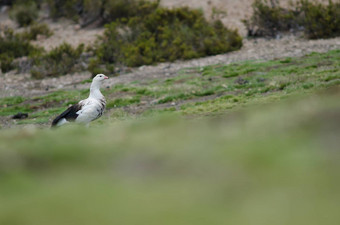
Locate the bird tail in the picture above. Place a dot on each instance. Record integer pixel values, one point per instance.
(55, 122)
(69, 114)
(58, 119)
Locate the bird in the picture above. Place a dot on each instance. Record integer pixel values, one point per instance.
(86, 110)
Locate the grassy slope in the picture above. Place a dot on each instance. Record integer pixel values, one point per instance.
(274, 163)
(197, 91)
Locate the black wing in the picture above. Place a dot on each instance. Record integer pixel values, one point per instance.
(69, 114)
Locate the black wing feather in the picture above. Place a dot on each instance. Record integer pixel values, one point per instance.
(69, 114)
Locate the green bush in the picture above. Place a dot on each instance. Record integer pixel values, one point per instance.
(164, 35)
(65, 8)
(269, 19)
(24, 13)
(6, 62)
(35, 30)
(315, 19)
(87, 11)
(117, 9)
(59, 61)
(95, 67)
(320, 21)
(92, 10)
(13, 46)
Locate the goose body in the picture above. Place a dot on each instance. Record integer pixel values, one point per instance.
(86, 110)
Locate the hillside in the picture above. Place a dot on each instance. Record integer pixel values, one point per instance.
(190, 90)
(246, 137)
(67, 31)
(269, 164)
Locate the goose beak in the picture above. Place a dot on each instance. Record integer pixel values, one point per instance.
(106, 77)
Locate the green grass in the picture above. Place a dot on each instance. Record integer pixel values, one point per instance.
(11, 100)
(248, 82)
(41, 108)
(119, 102)
(268, 164)
(199, 91)
(260, 147)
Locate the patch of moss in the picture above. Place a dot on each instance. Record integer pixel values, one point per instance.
(119, 102)
(11, 101)
(143, 91)
(171, 98)
(14, 109)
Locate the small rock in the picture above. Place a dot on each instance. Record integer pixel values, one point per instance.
(77, 27)
(20, 116)
(167, 67)
(4, 9)
(41, 37)
(241, 81)
(260, 79)
(272, 83)
(154, 102)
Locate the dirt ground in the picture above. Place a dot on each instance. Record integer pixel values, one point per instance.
(12, 84)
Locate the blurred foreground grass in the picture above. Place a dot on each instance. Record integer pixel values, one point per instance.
(273, 164)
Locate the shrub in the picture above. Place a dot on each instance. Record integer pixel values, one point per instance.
(95, 67)
(269, 19)
(59, 61)
(24, 13)
(5, 2)
(118, 9)
(87, 11)
(92, 10)
(63, 8)
(320, 21)
(164, 35)
(6, 62)
(315, 19)
(35, 30)
(13, 46)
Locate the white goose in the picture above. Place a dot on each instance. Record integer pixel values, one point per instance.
(86, 110)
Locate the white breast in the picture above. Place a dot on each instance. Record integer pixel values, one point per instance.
(92, 109)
